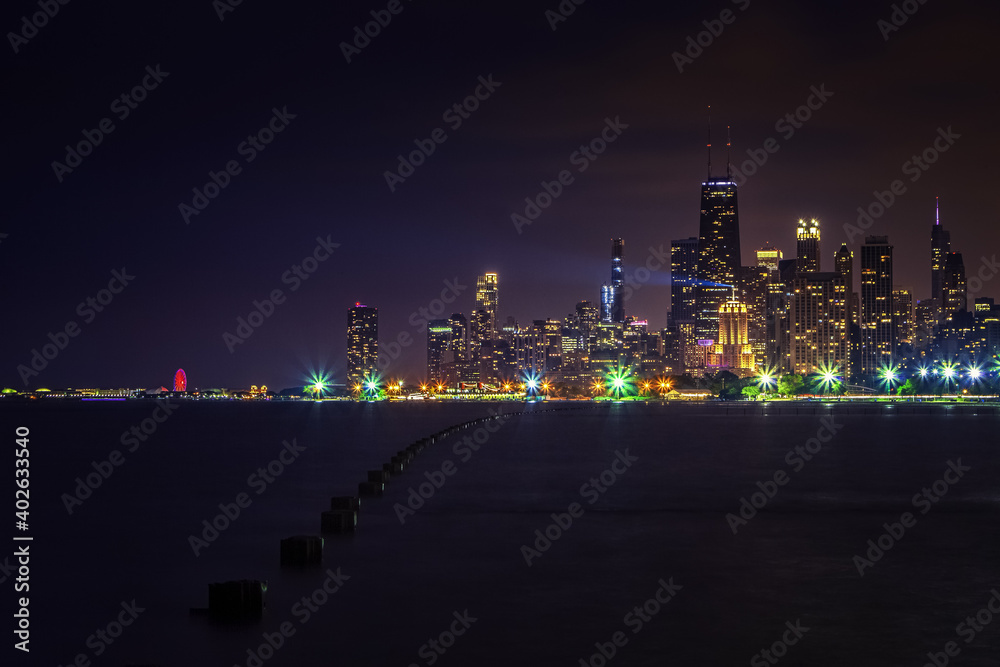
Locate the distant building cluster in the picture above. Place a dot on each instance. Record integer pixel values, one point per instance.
(775, 316)
(803, 320)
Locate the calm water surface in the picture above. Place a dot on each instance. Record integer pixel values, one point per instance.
(662, 517)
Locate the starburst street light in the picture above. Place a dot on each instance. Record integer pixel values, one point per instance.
(766, 380)
(829, 377)
(318, 384)
(949, 371)
(371, 384)
(318, 387)
(889, 376)
(619, 383)
(532, 383)
(975, 372)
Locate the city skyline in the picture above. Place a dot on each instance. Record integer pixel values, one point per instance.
(485, 295)
(826, 112)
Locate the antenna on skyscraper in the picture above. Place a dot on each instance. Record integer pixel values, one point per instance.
(937, 207)
(709, 141)
(729, 164)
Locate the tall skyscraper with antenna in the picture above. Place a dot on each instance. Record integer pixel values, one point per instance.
(940, 247)
(719, 259)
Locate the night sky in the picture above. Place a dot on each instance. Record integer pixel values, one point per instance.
(220, 81)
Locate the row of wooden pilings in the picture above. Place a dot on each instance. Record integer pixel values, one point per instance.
(246, 599)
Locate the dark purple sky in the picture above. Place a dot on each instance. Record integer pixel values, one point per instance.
(323, 174)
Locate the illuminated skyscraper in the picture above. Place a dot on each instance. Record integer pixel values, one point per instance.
(683, 300)
(843, 262)
(487, 299)
(754, 287)
(683, 271)
(613, 295)
(807, 244)
(954, 290)
(940, 247)
(483, 327)
(987, 336)
(878, 336)
(362, 342)
(439, 335)
(529, 352)
(819, 324)
(925, 324)
(733, 349)
(719, 258)
(455, 365)
(769, 256)
(588, 316)
(902, 313)
(459, 335)
(550, 332)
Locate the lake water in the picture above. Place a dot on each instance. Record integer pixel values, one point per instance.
(662, 516)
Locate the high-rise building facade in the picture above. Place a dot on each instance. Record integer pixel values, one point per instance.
(754, 288)
(987, 336)
(607, 302)
(529, 351)
(551, 333)
(807, 243)
(843, 263)
(719, 258)
(769, 256)
(459, 335)
(771, 259)
(954, 290)
(925, 324)
(588, 316)
(902, 313)
(487, 300)
(362, 342)
(613, 294)
(733, 350)
(439, 335)
(878, 335)
(683, 300)
(683, 278)
(819, 324)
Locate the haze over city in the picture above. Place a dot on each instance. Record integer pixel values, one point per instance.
(343, 124)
